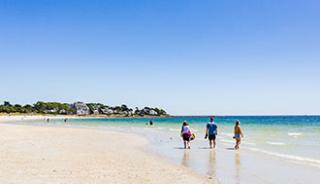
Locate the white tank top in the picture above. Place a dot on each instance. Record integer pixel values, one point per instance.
(185, 129)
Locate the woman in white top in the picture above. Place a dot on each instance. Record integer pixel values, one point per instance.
(186, 134)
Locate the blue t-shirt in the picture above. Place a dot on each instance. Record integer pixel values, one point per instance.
(212, 128)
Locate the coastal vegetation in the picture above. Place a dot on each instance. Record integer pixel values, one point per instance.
(80, 108)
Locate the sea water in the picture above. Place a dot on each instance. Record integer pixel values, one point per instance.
(272, 147)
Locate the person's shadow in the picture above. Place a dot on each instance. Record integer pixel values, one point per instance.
(230, 149)
(179, 148)
(205, 148)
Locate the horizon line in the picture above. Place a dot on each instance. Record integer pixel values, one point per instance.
(246, 115)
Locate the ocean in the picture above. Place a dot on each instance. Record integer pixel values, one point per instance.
(275, 149)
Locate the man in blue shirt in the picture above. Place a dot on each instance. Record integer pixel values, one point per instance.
(211, 132)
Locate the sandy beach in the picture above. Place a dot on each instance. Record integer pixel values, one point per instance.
(28, 117)
(43, 154)
(126, 150)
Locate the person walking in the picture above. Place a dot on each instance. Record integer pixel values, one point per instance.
(211, 132)
(238, 134)
(186, 134)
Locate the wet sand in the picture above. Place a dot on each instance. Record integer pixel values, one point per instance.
(42, 154)
(228, 166)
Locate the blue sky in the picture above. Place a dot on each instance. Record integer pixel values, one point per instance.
(189, 57)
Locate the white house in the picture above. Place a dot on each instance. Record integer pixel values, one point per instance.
(81, 108)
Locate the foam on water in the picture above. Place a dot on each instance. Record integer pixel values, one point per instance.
(275, 143)
(298, 159)
(174, 130)
(226, 141)
(294, 134)
(249, 143)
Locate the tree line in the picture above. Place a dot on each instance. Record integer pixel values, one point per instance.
(91, 108)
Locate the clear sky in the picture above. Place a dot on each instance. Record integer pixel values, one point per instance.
(224, 57)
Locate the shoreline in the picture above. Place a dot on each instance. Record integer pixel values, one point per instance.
(163, 143)
(47, 155)
(58, 116)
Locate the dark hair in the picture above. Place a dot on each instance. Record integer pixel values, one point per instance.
(237, 122)
(211, 118)
(185, 123)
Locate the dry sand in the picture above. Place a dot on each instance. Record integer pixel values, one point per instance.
(65, 155)
(14, 118)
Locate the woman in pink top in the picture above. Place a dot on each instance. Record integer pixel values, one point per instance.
(186, 134)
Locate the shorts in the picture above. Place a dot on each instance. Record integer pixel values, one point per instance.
(236, 136)
(212, 137)
(186, 137)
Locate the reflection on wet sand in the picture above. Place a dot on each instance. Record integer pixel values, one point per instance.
(185, 158)
(211, 168)
(237, 166)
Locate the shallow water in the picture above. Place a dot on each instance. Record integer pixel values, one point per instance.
(273, 146)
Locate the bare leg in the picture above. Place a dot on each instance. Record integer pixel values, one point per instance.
(237, 144)
(188, 144)
(185, 144)
(214, 143)
(210, 143)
